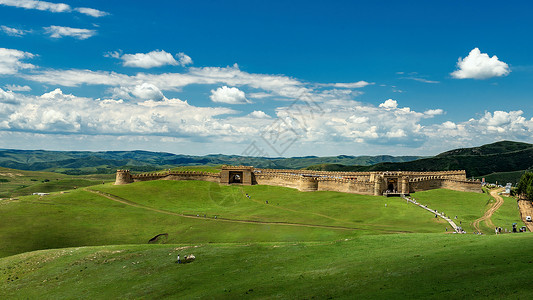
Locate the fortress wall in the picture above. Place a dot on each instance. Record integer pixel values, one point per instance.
(424, 184)
(438, 182)
(365, 176)
(346, 186)
(290, 181)
(462, 185)
(203, 176)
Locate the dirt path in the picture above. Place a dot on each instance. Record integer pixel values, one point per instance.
(127, 202)
(526, 209)
(488, 214)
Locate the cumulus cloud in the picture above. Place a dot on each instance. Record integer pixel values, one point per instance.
(490, 127)
(143, 91)
(52, 7)
(259, 114)
(228, 95)
(389, 104)
(13, 31)
(434, 112)
(156, 58)
(147, 91)
(184, 59)
(61, 31)
(11, 60)
(479, 65)
(56, 112)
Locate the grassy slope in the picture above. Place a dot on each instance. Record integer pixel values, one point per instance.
(80, 218)
(27, 182)
(507, 214)
(367, 213)
(368, 267)
(466, 206)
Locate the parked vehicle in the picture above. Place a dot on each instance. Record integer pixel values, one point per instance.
(528, 218)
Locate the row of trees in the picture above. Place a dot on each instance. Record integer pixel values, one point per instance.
(525, 186)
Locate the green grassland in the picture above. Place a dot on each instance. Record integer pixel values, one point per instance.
(507, 214)
(83, 218)
(466, 206)
(92, 242)
(368, 214)
(367, 267)
(15, 183)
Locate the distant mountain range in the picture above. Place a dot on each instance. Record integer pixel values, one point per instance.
(503, 161)
(84, 162)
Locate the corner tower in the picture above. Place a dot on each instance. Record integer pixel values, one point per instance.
(123, 177)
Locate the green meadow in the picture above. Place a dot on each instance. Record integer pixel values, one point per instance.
(398, 266)
(92, 242)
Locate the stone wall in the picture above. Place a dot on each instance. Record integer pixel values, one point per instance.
(124, 177)
(346, 186)
(367, 183)
(424, 184)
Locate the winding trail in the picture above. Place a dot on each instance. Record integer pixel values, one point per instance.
(526, 209)
(130, 203)
(488, 214)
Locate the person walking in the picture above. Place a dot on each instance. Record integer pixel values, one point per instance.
(179, 261)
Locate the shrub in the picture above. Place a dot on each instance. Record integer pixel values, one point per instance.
(525, 186)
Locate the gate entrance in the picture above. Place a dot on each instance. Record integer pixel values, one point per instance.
(235, 177)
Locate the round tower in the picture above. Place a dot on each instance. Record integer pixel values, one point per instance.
(123, 177)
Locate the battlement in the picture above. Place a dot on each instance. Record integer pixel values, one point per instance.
(372, 183)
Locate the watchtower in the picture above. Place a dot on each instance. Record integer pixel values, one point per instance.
(123, 177)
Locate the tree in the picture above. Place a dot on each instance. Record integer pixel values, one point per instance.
(525, 186)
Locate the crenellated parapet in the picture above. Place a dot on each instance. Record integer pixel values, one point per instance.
(370, 183)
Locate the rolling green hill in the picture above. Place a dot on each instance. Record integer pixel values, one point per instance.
(414, 266)
(93, 242)
(85, 162)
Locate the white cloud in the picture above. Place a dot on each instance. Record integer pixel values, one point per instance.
(147, 91)
(151, 59)
(17, 88)
(228, 95)
(479, 65)
(421, 79)
(13, 31)
(6, 95)
(434, 112)
(259, 114)
(52, 7)
(350, 85)
(58, 113)
(184, 59)
(260, 95)
(389, 104)
(91, 12)
(11, 61)
(39, 5)
(275, 85)
(61, 31)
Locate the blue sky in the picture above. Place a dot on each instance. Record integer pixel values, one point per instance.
(265, 78)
